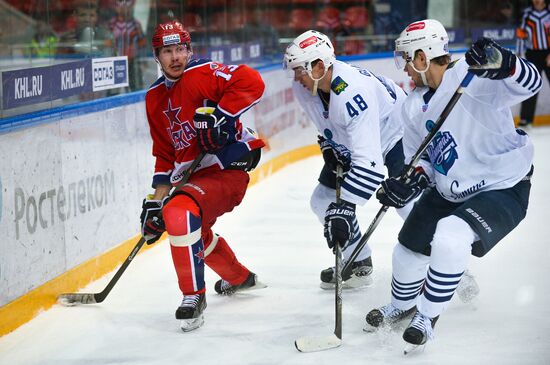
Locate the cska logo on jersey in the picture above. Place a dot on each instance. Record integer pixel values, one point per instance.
(442, 150)
(180, 132)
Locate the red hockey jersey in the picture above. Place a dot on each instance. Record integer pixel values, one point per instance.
(171, 106)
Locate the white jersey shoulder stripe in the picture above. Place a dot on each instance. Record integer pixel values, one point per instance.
(242, 110)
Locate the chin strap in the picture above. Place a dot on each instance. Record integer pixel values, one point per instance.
(423, 72)
(316, 82)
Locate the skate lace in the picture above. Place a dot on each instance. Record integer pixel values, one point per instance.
(190, 300)
(423, 324)
(389, 311)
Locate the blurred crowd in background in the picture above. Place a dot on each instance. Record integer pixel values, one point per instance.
(42, 32)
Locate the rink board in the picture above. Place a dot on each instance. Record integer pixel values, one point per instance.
(71, 189)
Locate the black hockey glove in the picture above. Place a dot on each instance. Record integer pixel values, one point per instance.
(152, 224)
(396, 193)
(339, 220)
(210, 135)
(488, 59)
(332, 156)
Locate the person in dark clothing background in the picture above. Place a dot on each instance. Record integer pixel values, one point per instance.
(533, 41)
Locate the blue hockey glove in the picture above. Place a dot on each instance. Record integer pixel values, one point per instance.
(210, 134)
(396, 193)
(339, 220)
(332, 157)
(152, 224)
(488, 59)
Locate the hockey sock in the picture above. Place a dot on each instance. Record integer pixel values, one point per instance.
(223, 260)
(183, 224)
(451, 248)
(409, 271)
(348, 250)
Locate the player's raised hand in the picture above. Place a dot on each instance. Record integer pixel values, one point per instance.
(488, 59)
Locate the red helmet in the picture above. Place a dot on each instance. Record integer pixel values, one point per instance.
(170, 33)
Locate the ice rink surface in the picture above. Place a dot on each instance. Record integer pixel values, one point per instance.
(274, 233)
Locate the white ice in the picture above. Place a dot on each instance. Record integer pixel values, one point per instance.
(275, 235)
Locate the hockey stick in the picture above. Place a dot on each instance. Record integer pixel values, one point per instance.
(346, 271)
(70, 299)
(312, 344)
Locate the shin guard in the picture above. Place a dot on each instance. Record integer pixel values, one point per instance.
(183, 224)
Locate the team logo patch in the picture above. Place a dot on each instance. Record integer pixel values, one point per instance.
(424, 107)
(180, 132)
(308, 42)
(338, 85)
(171, 39)
(442, 150)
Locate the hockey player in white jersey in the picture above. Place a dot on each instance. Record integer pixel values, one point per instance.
(351, 108)
(474, 180)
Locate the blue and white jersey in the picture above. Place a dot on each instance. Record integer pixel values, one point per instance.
(359, 121)
(478, 147)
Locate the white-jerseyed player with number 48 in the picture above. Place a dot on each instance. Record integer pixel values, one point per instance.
(351, 108)
(474, 179)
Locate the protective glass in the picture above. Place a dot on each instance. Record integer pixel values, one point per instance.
(401, 59)
(294, 73)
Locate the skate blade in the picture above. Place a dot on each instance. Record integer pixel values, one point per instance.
(358, 282)
(257, 286)
(370, 329)
(352, 283)
(191, 324)
(410, 348)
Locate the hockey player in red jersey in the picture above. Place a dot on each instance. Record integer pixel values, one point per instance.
(195, 106)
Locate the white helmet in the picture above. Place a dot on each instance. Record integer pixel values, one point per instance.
(306, 48)
(427, 35)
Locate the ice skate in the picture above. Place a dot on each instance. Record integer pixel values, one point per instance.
(190, 312)
(360, 276)
(251, 283)
(386, 316)
(419, 331)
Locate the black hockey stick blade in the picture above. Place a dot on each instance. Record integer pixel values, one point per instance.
(314, 344)
(71, 299)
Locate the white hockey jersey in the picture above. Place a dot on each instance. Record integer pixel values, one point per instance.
(478, 147)
(358, 120)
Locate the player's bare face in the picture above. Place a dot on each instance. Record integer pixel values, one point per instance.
(173, 60)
